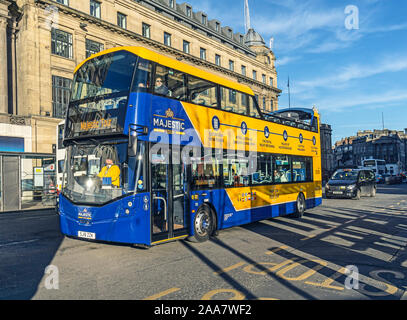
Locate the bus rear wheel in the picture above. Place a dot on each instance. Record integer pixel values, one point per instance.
(204, 225)
(300, 206)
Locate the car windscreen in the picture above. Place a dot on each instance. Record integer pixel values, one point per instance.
(345, 175)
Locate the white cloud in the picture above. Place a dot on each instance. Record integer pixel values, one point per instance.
(354, 71)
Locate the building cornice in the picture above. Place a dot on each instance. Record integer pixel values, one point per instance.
(198, 25)
(160, 46)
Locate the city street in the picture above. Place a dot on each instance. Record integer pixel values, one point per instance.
(344, 249)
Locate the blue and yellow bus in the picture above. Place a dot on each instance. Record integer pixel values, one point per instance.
(158, 150)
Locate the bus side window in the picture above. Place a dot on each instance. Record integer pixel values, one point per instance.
(142, 78)
(202, 92)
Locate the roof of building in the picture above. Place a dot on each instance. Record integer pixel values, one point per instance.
(253, 38)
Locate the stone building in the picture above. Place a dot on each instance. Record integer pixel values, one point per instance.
(42, 41)
(388, 145)
(343, 153)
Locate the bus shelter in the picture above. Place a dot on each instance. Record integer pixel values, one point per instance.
(27, 181)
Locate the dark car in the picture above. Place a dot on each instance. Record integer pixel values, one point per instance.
(351, 183)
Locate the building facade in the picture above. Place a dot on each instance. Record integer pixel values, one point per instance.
(388, 145)
(43, 41)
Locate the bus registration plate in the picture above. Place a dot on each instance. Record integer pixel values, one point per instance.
(86, 235)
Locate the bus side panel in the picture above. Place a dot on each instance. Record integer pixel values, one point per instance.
(229, 216)
(126, 220)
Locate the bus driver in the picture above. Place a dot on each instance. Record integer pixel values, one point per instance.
(110, 174)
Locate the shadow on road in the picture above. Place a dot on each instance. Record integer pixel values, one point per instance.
(25, 254)
(327, 240)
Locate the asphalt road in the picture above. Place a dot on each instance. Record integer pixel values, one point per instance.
(344, 249)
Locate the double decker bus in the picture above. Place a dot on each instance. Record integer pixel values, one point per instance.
(158, 150)
(376, 165)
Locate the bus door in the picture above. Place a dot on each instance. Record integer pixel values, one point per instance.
(168, 183)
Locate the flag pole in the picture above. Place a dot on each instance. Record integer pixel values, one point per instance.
(289, 95)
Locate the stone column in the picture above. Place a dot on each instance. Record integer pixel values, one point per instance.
(3, 66)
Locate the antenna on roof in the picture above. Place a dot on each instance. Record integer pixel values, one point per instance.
(246, 15)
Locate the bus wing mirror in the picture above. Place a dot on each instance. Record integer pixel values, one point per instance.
(132, 149)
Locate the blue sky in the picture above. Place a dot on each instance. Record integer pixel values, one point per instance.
(351, 75)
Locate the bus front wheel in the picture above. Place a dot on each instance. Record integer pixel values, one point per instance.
(204, 225)
(300, 206)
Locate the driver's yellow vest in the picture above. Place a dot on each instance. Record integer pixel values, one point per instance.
(113, 172)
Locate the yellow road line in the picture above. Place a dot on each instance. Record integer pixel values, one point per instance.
(237, 265)
(162, 294)
(276, 250)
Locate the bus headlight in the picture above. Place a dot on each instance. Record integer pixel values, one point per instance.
(327, 186)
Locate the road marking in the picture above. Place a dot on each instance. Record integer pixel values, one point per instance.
(275, 267)
(162, 294)
(18, 242)
(320, 264)
(327, 283)
(276, 250)
(237, 294)
(237, 265)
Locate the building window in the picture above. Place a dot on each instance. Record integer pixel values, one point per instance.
(95, 8)
(146, 30)
(61, 88)
(244, 70)
(272, 105)
(254, 75)
(264, 103)
(172, 3)
(241, 39)
(121, 20)
(203, 53)
(167, 39)
(204, 19)
(217, 26)
(189, 11)
(65, 2)
(264, 78)
(61, 43)
(271, 81)
(93, 47)
(185, 46)
(231, 65)
(217, 60)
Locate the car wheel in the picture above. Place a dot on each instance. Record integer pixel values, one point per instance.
(300, 206)
(357, 196)
(203, 225)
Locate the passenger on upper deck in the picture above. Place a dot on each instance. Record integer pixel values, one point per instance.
(160, 88)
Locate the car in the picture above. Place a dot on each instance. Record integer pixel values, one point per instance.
(379, 178)
(351, 183)
(394, 179)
